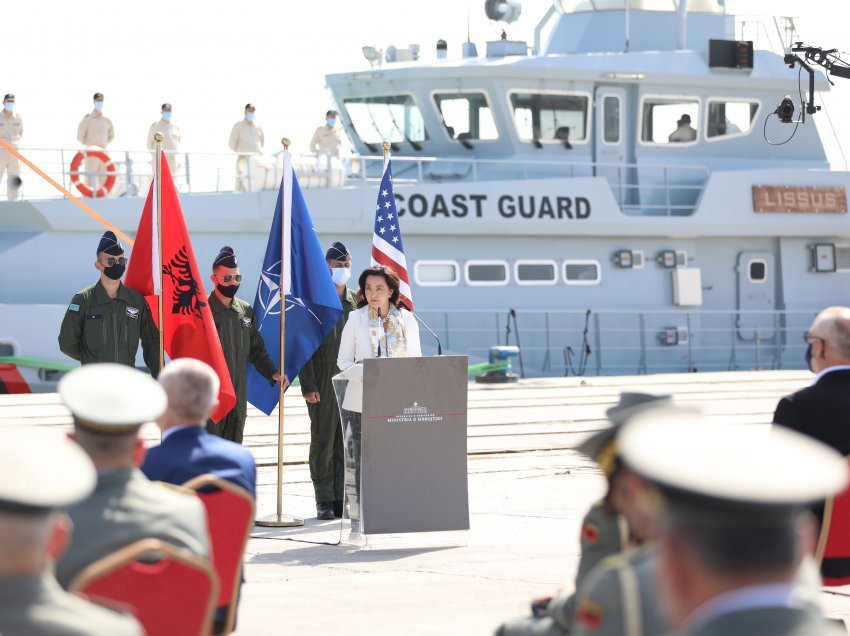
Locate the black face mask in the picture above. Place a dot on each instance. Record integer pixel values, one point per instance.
(229, 291)
(114, 272)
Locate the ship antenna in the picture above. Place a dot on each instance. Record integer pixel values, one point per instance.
(468, 18)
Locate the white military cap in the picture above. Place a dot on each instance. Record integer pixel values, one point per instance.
(600, 445)
(111, 398)
(40, 471)
(749, 471)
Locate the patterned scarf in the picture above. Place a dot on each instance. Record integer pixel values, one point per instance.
(390, 335)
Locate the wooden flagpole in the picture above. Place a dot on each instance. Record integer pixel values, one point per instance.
(281, 520)
(158, 137)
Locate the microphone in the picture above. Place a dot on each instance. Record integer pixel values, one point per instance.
(431, 331)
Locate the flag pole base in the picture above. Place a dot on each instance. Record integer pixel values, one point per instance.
(279, 521)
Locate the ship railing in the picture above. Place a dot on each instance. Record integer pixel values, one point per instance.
(654, 189)
(626, 342)
(767, 32)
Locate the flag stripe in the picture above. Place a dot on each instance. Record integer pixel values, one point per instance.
(387, 255)
(379, 258)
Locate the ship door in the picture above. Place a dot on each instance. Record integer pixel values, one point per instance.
(756, 289)
(611, 142)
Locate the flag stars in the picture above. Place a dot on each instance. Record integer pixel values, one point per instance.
(392, 228)
(377, 207)
(387, 205)
(380, 218)
(390, 216)
(395, 239)
(384, 193)
(382, 230)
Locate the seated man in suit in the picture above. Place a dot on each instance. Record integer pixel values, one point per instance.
(109, 403)
(38, 474)
(822, 410)
(732, 530)
(187, 450)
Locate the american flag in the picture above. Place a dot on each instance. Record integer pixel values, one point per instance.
(387, 247)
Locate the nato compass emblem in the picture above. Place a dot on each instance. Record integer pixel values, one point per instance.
(269, 295)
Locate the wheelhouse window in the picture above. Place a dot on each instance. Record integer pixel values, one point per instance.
(467, 116)
(437, 273)
(393, 118)
(730, 118)
(669, 121)
(554, 117)
(582, 272)
(486, 273)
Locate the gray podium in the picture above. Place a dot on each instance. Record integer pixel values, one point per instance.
(404, 434)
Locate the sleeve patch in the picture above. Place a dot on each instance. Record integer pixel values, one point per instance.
(589, 614)
(73, 307)
(590, 532)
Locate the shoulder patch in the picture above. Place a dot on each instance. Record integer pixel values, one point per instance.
(589, 615)
(73, 307)
(246, 321)
(133, 312)
(590, 532)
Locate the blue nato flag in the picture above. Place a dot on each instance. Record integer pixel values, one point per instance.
(312, 302)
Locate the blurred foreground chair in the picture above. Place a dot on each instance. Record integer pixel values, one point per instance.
(170, 591)
(833, 551)
(230, 517)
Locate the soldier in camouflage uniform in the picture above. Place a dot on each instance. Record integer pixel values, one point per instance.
(241, 342)
(326, 453)
(104, 322)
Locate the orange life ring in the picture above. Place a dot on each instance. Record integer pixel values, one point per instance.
(86, 191)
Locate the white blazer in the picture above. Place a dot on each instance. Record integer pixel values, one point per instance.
(356, 345)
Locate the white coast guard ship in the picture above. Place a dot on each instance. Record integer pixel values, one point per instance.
(544, 197)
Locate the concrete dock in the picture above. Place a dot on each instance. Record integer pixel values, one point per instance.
(528, 492)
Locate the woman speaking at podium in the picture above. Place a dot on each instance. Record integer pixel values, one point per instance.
(378, 328)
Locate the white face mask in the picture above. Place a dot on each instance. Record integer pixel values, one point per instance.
(340, 275)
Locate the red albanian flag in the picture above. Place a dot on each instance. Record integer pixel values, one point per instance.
(189, 328)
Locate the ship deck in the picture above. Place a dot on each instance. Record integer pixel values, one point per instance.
(528, 492)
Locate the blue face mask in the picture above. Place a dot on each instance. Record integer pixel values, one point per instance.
(9, 105)
(809, 357)
(98, 105)
(332, 122)
(249, 116)
(166, 115)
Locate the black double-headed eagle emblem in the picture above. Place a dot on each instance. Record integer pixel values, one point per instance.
(185, 295)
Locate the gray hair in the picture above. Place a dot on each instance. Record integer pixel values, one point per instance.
(192, 388)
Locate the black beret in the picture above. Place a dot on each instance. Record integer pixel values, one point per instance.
(98, 96)
(109, 244)
(338, 252)
(225, 258)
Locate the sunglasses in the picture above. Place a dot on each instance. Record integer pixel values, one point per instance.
(112, 262)
(227, 278)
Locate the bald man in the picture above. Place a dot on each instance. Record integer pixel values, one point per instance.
(822, 410)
